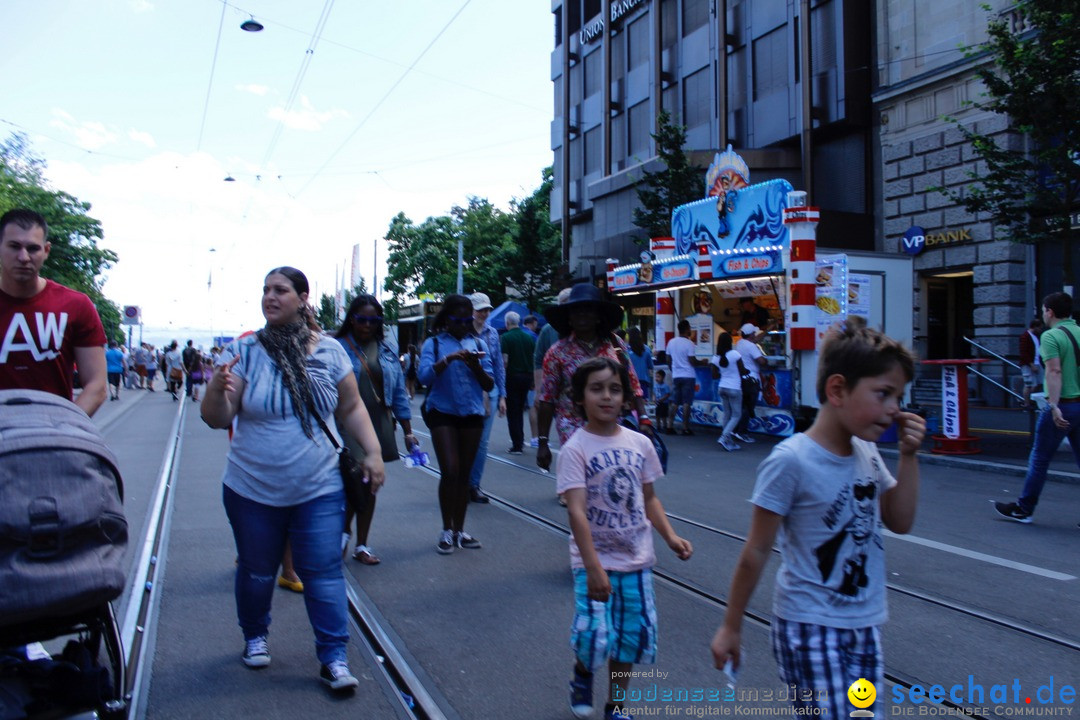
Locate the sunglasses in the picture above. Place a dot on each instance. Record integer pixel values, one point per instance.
(367, 319)
(461, 320)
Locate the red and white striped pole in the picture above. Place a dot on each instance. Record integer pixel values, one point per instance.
(704, 261)
(611, 263)
(802, 221)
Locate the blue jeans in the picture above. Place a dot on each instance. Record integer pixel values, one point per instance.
(481, 452)
(1048, 437)
(314, 529)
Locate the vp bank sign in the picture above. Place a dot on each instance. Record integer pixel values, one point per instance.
(915, 240)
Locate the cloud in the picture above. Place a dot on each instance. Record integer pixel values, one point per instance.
(88, 135)
(254, 89)
(142, 137)
(306, 118)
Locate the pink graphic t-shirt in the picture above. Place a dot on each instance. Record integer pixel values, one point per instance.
(612, 469)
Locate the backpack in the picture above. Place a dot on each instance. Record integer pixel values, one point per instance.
(62, 526)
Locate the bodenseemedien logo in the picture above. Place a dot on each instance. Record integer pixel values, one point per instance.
(862, 694)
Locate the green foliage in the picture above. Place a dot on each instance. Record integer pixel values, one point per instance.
(1029, 188)
(75, 259)
(534, 268)
(678, 183)
(326, 314)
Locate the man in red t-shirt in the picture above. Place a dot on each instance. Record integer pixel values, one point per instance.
(47, 329)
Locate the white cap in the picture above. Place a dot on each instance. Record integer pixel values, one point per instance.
(480, 301)
(748, 329)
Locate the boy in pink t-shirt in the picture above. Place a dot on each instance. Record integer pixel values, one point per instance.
(606, 475)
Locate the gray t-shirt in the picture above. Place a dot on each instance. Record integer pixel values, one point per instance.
(271, 461)
(833, 567)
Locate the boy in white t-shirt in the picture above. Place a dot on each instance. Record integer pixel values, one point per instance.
(606, 474)
(829, 491)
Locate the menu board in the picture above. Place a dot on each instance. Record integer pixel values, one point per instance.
(701, 332)
(858, 296)
(832, 291)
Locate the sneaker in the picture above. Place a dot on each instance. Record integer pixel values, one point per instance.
(728, 444)
(477, 496)
(534, 443)
(1012, 511)
(581, 695)
(257, 652)
(446, 543)
(337, 676)
(466, 541)
(515, 451)
(617, 713)
(743, 438)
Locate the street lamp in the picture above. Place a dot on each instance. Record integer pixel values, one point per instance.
(251, 25)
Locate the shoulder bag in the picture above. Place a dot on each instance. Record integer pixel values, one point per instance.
(1076, 349)
(749, 383)
(381, 418)
(357, 486)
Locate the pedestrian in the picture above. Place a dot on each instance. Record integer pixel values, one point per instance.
(496, 397)
(1060, 419)
(114, 367)
(664, 417)
(607, 474)
(192, 359)
(1030, 363)
(680, 351)
(174, 370)
(530, 324)
(49, 329)
(728, 370)
(456, 365)
(411, 363)
(517, 349)
(642, 360)
(829, 491)
(754, 362)
(382, 389)
(282, 479)
(586, 324)
(197, 375)
(547, 337)
(152, 361)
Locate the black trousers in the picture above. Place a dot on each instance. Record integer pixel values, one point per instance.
(518, 386)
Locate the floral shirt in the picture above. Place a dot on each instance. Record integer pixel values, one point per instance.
(560, 362)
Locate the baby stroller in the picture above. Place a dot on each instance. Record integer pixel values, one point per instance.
(62, 541)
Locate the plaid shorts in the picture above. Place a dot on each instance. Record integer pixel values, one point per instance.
(823, 662)
(623, 629)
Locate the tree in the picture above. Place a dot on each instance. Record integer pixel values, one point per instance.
(75, 259)
(422, 258)
(1029, 192)
(678, 183)
(534, 267)
(327, 314)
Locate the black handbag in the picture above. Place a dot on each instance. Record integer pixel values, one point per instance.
(749, 383)
(357, 486)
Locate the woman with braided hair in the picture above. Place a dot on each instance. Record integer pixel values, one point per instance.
(281, 480)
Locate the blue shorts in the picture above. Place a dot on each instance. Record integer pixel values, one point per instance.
(683, 393)
(822, 663)
(623, 629)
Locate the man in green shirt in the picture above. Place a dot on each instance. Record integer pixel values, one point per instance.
(1059, 348)
(517, 349)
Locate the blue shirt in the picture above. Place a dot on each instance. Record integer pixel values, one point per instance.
(490, 336)
(114, 360)
(643, 364)
(456, 390)
(394, 394)
(663, 392)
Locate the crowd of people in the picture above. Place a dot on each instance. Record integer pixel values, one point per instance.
(291, 392)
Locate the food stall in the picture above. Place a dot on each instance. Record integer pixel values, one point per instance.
(731, 260)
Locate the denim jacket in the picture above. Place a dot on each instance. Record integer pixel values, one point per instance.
(455, 391)
(394, 395)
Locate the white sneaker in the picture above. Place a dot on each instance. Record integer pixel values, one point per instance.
(743, 438)
(337, 676)
(534, 443)
(257, 652)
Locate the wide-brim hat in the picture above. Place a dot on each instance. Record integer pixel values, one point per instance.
(583, 294)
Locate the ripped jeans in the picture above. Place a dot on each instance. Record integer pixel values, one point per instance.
(314, 529)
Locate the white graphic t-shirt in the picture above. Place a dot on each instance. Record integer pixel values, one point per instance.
(612, 469)
(833, 567)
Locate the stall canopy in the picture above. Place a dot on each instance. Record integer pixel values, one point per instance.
(497, 319)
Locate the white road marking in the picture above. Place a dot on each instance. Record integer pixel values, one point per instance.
(992, 559)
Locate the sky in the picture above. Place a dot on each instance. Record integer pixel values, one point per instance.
(334, 118)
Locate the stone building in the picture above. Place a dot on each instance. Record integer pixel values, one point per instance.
(969, 283)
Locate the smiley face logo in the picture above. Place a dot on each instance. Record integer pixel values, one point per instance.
(862, 693)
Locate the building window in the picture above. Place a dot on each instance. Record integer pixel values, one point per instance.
(594, 140)
(669, 23)
(770, 62)
(592, 9)
(696, 98)
(670, 100)
(640, 128)
(557, 83)
(695, 14)
(618, 55)
(573, 15)
(618, 141)
(638, 40)
(593, 74)
(558, 26)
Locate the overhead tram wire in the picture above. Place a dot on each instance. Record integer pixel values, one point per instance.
(384, 98)
(210, 84)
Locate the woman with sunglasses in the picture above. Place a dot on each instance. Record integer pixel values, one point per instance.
(382, 388)
(455, 364)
